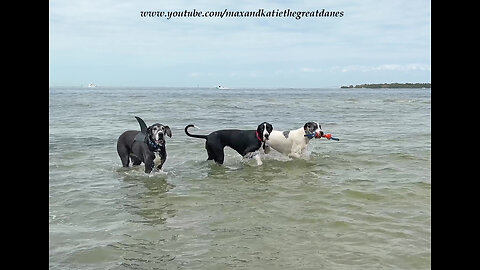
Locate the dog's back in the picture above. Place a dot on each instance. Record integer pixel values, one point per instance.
(239, 140)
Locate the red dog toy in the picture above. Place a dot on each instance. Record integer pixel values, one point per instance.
(329, 136)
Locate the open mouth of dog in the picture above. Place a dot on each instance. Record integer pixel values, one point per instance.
(158, 133)
(159, 139)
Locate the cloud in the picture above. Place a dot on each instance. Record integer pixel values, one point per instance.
(195, 74)
(108, 37)
(384, 67)
(308, 69)
(366, 68)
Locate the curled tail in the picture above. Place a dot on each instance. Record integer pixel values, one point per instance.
(193, 135)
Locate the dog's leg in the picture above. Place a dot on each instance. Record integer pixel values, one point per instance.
(219, 156)
(125, 160)
(266, 149)
(258, 159)
(163, 158)
(294, 155)
(215, 152)
(149, 164)
(297, 151)
(149, 167)
(135, 160)
(211, 154)
(123, 154)
(255, 155)
(249, 155)
(159, 167)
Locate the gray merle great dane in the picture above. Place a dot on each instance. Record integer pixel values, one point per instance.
(146, 145)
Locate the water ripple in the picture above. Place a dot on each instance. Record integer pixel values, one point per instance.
(361, 203)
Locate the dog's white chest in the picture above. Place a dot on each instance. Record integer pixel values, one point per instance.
(157, 160)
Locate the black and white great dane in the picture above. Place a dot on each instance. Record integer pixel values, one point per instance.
(147, 146)
(245, 142)
(293, 143)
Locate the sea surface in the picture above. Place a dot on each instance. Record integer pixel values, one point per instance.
(363, 202)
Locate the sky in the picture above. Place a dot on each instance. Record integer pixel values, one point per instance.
(108, 43)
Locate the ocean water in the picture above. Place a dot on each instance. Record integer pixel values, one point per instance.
(360, 203)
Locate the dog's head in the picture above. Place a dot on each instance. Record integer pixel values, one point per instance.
(264, 130)
(157, 133)
(313, 128)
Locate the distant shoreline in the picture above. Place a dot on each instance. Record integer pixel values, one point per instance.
(390, 85)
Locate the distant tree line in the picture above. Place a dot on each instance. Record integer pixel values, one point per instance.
(390, 85)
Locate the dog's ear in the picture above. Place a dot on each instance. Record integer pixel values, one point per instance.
(305, 127)
(260, 128)
(169, 132)
(309, 127)
(266, 148)
(269, 128)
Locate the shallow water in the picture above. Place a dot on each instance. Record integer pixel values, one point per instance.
(360, 203)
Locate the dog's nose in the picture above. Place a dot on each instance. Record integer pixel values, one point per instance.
(321, 133)
(266, 136)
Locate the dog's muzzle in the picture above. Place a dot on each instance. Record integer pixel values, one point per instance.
(161, 139)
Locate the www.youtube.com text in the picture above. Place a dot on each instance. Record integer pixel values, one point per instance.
(260, 13)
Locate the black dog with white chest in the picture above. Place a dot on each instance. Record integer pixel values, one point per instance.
(245, 142)
(147, 146)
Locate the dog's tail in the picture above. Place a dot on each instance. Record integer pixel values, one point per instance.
(143, 126)
(193, 135)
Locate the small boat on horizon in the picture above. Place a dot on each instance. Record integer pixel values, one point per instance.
(91, 85)
(222, 87)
